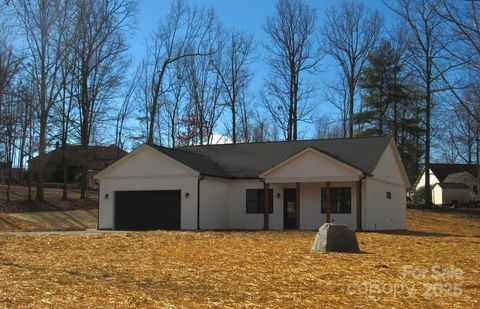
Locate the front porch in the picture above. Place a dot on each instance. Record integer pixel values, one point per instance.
(313, 188)
(307, 205)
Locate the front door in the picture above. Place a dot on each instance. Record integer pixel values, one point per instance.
(289, 209)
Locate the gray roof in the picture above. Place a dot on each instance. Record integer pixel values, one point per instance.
(442, 170)
(452, 185)
(249, 160)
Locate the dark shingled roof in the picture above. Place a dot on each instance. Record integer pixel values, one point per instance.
(249, 160)
(452, 185)
(441, 170)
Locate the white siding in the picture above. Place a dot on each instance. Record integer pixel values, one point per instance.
(214, 203)
(445, 196)
(433, 180)
(238, 217)
(379, 212)
(146, 162)
(311, 217)
(437, 198)
(311, 166)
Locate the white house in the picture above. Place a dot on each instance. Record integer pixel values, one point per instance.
(360, 182)
(451, 183)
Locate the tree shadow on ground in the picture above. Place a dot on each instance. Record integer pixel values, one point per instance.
(422, 233)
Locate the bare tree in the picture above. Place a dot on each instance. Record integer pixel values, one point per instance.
(45, 28)
(183, 33)
(232, 65)
(100, 46)
(337, 95)
(174, 100)
(125, 110)
(426, 49)
(293, 52)
(204, 88)
(350, 33)
(62, 119)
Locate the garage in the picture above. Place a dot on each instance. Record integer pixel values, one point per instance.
(147, 210)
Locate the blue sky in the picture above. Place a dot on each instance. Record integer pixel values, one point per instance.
(246, 15)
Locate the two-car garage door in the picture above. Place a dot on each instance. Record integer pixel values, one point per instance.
(147, 210)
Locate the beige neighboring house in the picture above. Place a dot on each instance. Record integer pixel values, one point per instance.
(451, 183)
(269, 185)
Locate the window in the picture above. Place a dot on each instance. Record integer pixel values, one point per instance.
(256, 201)
(475, 189)
(340, 200)
(389, 195)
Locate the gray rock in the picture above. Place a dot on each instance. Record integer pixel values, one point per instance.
(335, 238)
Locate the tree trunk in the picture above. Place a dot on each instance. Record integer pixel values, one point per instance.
(64, 171)
(234, 122)
(39, 196)
(428, 98)
(351, 99)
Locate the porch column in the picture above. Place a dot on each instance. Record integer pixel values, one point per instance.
(266, 209)
(328, 202)
(297, 204)
(359, 205)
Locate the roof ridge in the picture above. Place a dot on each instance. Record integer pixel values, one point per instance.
(296, 141)
(181, 150)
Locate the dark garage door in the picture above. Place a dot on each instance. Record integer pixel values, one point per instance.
(147, 210)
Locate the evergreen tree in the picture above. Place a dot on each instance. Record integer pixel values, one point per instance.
(392, 105)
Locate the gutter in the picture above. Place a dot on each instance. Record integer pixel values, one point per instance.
(200, 178)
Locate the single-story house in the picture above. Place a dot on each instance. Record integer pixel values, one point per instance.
(451, 183)
(360, 182)
(449, 193)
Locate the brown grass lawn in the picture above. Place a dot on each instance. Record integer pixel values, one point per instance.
(246, 269)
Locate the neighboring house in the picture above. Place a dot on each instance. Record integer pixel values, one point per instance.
(95, 157)
(7, 172)
(3, 171)
(224, 186)
(451, 183)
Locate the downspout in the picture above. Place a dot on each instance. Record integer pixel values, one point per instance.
(266, 208)
(359, 221)
(98, 199)
(200, 178)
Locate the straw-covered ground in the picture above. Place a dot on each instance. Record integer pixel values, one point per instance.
(435, 264)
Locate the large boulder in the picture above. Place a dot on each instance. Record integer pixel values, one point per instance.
(335, 238)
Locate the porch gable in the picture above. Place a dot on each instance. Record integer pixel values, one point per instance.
(311, 165)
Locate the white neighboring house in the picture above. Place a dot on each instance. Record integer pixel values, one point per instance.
(223, 186)
(451, 183)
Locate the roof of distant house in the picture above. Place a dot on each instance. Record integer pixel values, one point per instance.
(81, 154)
(442, 170)
(452, 185)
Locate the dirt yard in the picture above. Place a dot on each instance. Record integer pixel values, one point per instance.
(434, 264)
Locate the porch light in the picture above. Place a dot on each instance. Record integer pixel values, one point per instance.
(187, 195)
(106, 196)
(278, 195)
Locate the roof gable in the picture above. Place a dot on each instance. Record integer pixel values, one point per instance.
(390, 167)
(145, 161)
(311, 162)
